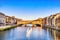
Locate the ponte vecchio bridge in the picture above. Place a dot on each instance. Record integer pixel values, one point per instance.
(37, 22)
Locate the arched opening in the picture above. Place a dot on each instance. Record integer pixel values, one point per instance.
(20, 24)
(38, 25)
(29, 25)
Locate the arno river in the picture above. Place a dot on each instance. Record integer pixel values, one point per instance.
(29, 33)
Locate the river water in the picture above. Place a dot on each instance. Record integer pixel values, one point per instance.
(29, 33)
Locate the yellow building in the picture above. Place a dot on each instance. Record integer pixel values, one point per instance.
(19, 21)
(7, 18)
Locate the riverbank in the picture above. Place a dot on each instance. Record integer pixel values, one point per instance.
(3, 28)
(54, 28)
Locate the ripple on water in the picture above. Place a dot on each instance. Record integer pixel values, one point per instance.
(27, 33)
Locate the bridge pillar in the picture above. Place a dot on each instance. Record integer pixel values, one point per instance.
(33, 25)
(25, 25)
(41, 25)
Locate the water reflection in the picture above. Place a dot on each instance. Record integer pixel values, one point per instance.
(56, 35)
(29, 33)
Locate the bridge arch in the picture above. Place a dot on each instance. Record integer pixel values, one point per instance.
(20, 24)
(39, 25)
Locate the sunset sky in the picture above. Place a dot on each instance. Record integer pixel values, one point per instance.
(29, 9)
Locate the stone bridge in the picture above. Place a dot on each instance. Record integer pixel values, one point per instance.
(37, 22)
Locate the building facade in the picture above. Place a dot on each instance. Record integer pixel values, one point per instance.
(10, 20)
(2, 19)
(44, 21)
(52, 20)
(57, 20)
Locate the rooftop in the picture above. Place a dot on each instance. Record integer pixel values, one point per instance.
(2, 14)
